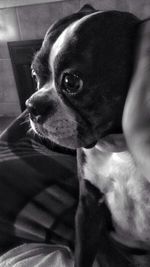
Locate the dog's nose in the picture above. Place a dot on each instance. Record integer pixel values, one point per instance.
(38, 108)
(31, 108)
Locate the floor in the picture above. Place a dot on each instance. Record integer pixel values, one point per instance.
(5, 122)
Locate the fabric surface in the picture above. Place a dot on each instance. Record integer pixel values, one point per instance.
(38, 190)
(39, 255)
(38, 200)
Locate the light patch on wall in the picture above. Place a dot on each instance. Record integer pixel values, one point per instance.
(8, 25)
(13, 3)
(7, 32)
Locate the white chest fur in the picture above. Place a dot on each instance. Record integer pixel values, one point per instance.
(127, 193)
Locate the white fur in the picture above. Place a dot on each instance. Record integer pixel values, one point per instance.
(126, 193)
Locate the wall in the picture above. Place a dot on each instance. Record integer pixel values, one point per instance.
(13, 3)
(31, 22)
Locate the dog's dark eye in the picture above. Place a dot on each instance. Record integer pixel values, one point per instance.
(33, 73)
(35, 79)
(71, 83)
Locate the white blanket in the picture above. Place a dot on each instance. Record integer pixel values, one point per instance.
(39, 255)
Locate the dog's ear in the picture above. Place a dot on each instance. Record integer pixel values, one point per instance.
(87, 9)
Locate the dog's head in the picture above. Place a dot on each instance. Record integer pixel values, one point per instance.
(83, 70)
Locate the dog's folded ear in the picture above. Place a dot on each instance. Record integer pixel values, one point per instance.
(87, 9)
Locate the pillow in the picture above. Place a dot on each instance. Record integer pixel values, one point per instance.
(38, 189)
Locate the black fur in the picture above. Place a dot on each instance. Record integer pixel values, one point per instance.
(105, 44)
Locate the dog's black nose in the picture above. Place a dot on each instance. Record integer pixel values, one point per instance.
(32, 108)
(38, 108)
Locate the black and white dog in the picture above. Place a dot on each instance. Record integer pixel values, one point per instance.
(83, 71)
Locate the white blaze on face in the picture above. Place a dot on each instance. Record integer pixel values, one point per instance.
(68, 33)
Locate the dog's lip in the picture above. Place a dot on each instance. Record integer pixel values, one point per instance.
(91, 145)
(39, 132)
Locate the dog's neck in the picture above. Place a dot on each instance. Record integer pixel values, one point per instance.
(113, 143)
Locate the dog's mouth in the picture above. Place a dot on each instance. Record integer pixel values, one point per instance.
(37, 130)
(64, 135)
(69, 137)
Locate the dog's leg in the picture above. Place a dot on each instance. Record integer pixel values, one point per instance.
(90, 221)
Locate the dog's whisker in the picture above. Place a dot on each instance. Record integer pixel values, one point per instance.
(25, 121)
(40, 136)
(26, 116)
(30, 130)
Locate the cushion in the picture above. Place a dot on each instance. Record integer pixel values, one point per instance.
(38, 189)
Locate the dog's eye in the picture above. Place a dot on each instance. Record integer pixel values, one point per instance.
(71, 83)
(35, 78)
(34, 74)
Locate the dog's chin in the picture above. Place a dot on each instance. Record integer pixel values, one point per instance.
(68, 141)
(71, 142)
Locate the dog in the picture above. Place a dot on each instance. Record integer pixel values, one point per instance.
(83, 71)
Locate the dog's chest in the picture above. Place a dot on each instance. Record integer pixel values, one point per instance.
(127, 193)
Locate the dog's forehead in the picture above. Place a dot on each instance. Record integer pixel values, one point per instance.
(68, 35)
